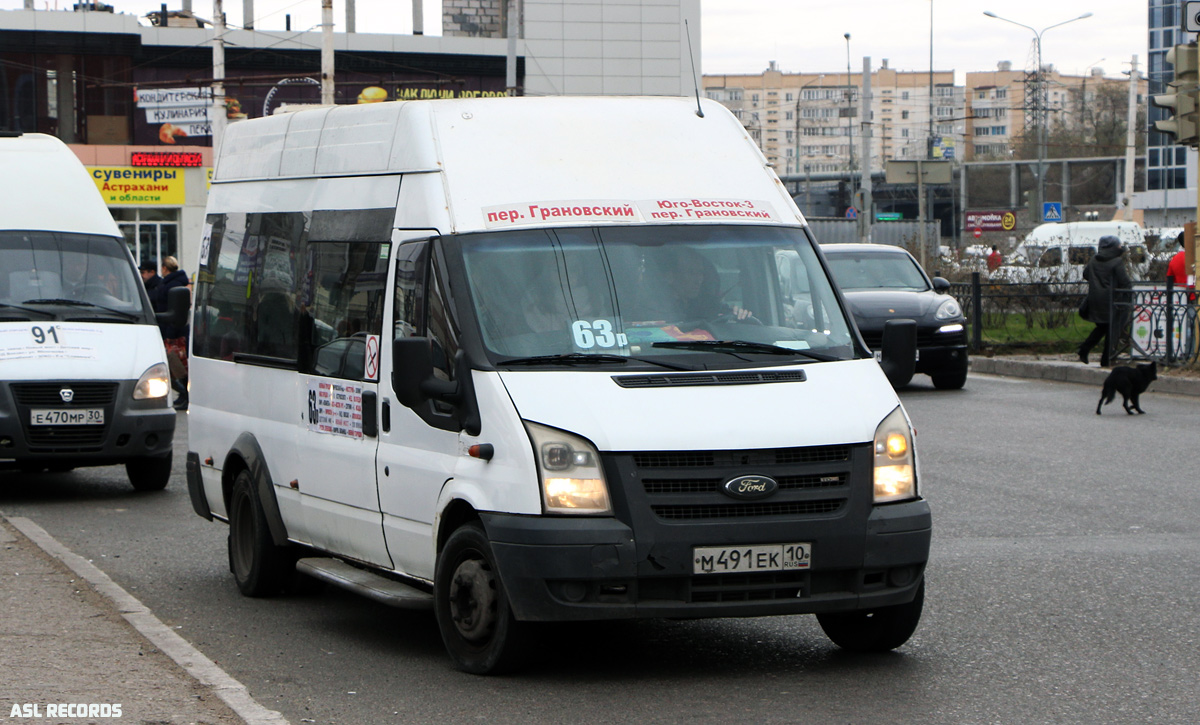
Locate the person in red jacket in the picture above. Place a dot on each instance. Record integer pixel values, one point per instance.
(1175, 268)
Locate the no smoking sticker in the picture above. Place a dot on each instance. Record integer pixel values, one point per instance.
(371, 358)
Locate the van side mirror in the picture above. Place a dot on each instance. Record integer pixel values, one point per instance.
(940, 285)
(412, 371)
(415, 384)
(899, 351)
(179, 302)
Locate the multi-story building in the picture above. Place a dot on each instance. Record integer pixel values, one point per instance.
(810, 123)
(1170, 196)
(1001, 108)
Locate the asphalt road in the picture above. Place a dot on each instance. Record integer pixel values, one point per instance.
(1062, 588)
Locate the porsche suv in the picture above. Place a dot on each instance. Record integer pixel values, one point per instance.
(881, 282)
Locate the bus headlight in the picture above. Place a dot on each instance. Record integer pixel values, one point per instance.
(569, 468)
(154, 383)
(895, 471)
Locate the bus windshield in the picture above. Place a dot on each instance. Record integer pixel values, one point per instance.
(69, 275)
(670, 291)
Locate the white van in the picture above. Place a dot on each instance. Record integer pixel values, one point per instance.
(1058, 252)
(83, 371)
(529, 359)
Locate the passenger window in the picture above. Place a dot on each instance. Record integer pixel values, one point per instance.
(1052, 257)
(409, 306)
(1080, 255)
(342, 301)
(442, 328)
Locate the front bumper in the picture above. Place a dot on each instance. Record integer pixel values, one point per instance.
(132, 428)
(558, 569)
(937, 359)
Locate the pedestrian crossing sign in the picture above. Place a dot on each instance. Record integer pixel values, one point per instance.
(1052, 211)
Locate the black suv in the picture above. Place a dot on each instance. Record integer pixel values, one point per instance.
(881, 283)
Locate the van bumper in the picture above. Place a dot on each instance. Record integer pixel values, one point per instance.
(570, 569)
(132, 428)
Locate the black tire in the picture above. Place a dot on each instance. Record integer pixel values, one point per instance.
(874, 630)
(473, 614)
(149, 474)
(259, 567)
(950, 381)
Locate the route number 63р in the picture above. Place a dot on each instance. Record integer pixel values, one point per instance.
(48, 335)
(598, 333)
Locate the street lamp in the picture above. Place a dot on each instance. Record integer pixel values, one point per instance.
(799, 98)
(1039, 101)
(850, 118)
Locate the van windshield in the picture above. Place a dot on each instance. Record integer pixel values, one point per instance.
(68, 276)
(674, 294)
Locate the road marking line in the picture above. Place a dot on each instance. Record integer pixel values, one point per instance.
(232, 693)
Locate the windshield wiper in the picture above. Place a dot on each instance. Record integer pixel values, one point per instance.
(733, 347)
(583, 358)
(10, 306)
(80, 303)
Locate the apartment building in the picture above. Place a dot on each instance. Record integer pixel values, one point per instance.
(1000, 107)
(810, 122)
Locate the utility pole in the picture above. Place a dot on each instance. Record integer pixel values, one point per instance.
(865, 214)
(1130, 141)
(510, 64)
(218, 87)
(327, 86)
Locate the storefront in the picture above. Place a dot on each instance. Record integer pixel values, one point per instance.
(157, 198)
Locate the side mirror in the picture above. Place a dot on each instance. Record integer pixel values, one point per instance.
(899, 353)
(414, 382)
(179, 302)
(940, 285)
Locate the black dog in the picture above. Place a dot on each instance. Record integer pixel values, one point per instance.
(1130, 383)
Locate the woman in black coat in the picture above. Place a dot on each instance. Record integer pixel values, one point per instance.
(1104, 273)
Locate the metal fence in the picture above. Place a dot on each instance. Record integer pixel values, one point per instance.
(1044, 317)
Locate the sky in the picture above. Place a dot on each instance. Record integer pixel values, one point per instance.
(805, 36)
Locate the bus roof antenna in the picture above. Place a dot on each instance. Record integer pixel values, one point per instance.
(695, 81)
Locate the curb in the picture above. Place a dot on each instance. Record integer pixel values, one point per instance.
(1073, 372)
(201, 668)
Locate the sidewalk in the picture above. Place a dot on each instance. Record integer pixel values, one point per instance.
(1068, 369)
(71, 637)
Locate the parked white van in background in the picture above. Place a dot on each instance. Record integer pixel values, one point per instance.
(530, 359)
(83, 371)
(1058, 252)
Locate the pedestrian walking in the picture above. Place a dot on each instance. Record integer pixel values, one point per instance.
(1104, 273)
(995, 259)
(175, 338)
(154, 286)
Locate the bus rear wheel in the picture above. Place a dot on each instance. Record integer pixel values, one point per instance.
(259, 566)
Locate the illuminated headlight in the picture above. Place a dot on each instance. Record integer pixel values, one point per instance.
(956, 327)
(949, 310)
(154, 383)
(895, 472)
(569, 469)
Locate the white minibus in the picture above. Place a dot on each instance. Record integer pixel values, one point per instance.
(83, 370)
(524, 360)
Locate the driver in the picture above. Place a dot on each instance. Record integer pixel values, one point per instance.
(693, 288)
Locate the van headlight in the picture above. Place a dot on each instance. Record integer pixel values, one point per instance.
(895, 472)
(154, 383)
(569, 468)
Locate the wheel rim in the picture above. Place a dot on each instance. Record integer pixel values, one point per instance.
(473, 600)
(242, 533)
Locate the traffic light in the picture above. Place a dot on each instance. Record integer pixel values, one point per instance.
(1182, 101)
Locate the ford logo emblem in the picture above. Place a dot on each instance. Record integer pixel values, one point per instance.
(750, 487)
